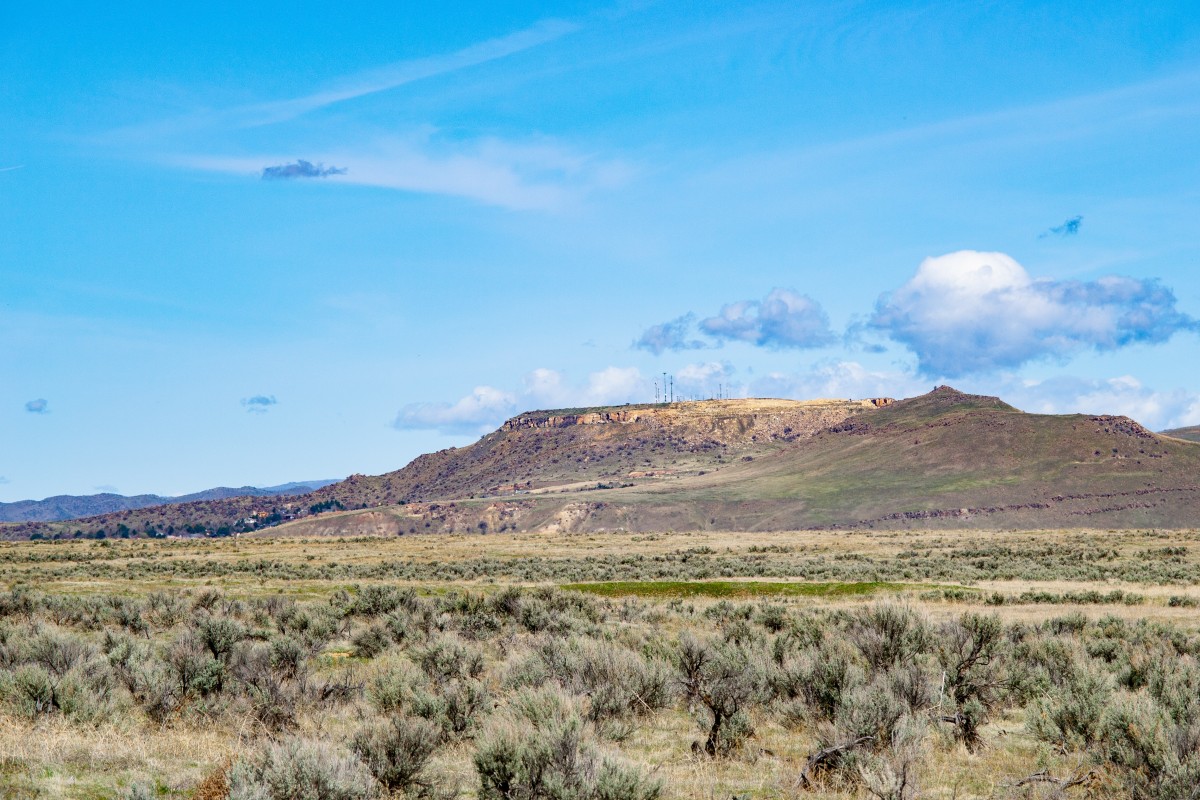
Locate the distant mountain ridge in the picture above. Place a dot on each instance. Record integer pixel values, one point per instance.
(1192, 433)
(66, 507)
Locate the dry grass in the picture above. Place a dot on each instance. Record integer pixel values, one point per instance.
(52, 758)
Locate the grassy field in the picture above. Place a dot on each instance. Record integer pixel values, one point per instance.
(898, 664)
(743, 590)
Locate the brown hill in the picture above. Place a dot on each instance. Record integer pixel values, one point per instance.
(1192, 434)
(536, 452)
(945, 459)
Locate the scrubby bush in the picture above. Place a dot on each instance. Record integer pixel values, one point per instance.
(540, 749)
(1155, 757)
(397, 687)
(370, 642)
(300, 769)
(818, 677)
(968, 651)
(447, 657)
(725, 681)
(1072, 717)
(54, 672)
(219, 634)
(617, 682)
(397, 750)
(273, 698)
(888, 634)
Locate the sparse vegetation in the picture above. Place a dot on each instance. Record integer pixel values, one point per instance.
(307, 661)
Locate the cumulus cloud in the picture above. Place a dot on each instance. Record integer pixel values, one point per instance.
(1068, 228)
(300, 169)
(39, 406)
(672, 335)
(839, 379)
(486, 406)
(969, 311)
(1157, 409)
(473, 413)
(782, 319)
(706, 380)
(259, 403)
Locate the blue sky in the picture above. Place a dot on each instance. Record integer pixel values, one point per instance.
(252, 245)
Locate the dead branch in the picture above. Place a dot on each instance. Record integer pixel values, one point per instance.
(827, 757)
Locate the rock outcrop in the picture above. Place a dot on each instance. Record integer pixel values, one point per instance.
(718, 421)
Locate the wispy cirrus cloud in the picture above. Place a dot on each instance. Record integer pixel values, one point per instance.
(531, 176)
(381, 79)
(971, 312)
(536, 174)
(398, 74)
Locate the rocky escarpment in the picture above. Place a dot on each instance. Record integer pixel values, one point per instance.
(717, 421)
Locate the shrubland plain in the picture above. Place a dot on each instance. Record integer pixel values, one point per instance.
(813, 664)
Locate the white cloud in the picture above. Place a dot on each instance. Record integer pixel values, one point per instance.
(615, 385)
(670, 335)
(970, 311)
(704, 380)
(1125, 395)
(486, 407)
(839, 379)
(473, 413)
(782, 319)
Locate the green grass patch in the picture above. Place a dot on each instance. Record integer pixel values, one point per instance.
(747, 588)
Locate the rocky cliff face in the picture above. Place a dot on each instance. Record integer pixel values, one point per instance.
(719, 421)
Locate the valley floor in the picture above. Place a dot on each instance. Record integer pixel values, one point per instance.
(680, 665)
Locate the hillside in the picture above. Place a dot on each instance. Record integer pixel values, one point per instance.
(1192, 434)
(535, 452)
(66, 507)
(945, 459)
